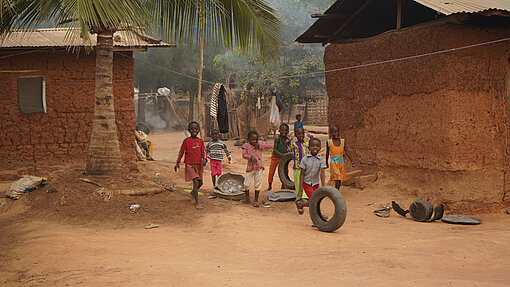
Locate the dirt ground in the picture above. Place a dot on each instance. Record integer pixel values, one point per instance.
(82, 236)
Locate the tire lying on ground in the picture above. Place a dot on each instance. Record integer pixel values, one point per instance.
(283, 170)
(338, 218)
(421, 210)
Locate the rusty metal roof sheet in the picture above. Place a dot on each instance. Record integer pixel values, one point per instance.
(448, 7)
(356, 19)
(65, 37)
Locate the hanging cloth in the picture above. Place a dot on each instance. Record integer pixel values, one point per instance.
(214, 100)
(278, 101)
(274, 118)
(222, 111)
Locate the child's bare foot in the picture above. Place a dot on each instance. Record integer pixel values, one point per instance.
(299, 207)
(198, 206)
(270, 186)
(246, 201)
(255, 204)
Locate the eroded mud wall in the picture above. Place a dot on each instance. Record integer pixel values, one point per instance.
(62, 133)
(438, 123)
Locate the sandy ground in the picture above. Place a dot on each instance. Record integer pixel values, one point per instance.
(232, 244)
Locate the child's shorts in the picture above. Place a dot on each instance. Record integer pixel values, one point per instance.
(309, 189)
(215, 167)
(192, 171)
(256, 177)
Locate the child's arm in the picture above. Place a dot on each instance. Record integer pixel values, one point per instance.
(246, 155)
(323, 173)
(288, 142)
(327, 154)
(181, 153)
(323, 177)
(227, 152)
(208, 148)
(204, 153)
(349, 156)
(264, 145)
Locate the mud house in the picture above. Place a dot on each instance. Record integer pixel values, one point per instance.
(48, 92)
(415, 107)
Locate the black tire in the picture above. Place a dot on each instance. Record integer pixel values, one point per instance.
(283, 171)
(399, 209)
(338, 218)
(421, 210)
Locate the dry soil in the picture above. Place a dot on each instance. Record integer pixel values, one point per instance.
(82, 236)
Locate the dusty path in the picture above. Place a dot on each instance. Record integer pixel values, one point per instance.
(246, 246)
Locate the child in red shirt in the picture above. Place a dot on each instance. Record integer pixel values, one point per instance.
(194, 149)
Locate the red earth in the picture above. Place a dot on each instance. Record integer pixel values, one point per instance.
(83, 235)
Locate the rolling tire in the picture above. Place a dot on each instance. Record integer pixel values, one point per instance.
(283, 171)
(338, 218)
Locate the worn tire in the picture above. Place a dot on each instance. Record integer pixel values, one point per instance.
(421, 210)
(338, 218)
(283, 171)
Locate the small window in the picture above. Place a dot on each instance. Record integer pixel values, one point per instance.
(31, 95)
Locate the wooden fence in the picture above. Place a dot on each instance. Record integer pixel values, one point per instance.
(317, 108)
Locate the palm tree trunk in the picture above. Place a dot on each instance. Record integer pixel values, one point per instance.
(201, 117)
(104, 153)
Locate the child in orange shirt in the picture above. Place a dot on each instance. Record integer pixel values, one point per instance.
(335, 148)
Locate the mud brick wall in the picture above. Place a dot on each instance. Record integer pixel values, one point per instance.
(439, 123)
(62, 133)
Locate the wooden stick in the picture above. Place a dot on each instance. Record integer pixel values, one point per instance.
(399, 14)
(179, 108)
(18, 71)
(176, 116)
(350, 19)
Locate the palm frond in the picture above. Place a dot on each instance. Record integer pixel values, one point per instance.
(88, 15)
(248, 26)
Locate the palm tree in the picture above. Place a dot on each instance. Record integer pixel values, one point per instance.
(174, 19)
(249, 26)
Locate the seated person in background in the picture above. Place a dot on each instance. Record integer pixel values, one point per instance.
(142, 146)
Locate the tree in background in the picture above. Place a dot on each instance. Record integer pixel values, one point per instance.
(219, 63)
(249, 29)
(247, 26)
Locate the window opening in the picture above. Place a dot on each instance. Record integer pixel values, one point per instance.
(31, 95)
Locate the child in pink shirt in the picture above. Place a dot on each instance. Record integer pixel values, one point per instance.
(252, 151)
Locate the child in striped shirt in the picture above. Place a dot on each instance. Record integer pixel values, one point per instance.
(215, 149)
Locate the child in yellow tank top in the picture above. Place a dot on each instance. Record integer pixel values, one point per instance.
(335, 149)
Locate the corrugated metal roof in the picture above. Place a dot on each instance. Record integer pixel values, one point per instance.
(448, 7)
(65, 37)
(358, 22)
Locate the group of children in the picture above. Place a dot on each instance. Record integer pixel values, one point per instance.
(308, 165)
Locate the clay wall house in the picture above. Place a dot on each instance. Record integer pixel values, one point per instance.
(48, 92)
(439, 123)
